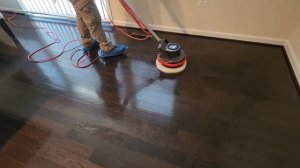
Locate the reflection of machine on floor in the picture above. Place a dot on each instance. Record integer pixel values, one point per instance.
(171, 58)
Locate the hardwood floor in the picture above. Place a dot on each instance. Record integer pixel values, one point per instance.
(235, 106)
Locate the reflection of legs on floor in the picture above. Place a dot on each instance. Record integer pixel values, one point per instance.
(108, 91)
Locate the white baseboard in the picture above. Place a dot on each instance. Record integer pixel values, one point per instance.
(295, 62)
(216, 34)
(242, 37)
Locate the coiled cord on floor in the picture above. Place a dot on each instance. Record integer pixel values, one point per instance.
(56, 40)
(75, 50)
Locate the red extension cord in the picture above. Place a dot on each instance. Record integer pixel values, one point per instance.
(85, 54)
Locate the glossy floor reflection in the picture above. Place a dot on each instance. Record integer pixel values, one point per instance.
(236, 105)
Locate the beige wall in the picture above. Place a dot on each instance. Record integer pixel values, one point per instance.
(12, 4)
(267, 18)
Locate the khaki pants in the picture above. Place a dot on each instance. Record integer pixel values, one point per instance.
(89, 24)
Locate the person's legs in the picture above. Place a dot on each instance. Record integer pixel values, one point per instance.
(86, 38)
(90, 16)
(85, 35)
(92, 19)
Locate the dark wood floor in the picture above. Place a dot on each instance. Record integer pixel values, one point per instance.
(235, 106)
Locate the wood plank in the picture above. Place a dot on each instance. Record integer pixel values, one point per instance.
(27, 157)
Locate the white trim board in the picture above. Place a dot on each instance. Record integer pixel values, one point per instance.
(232, 36)
(295, 62)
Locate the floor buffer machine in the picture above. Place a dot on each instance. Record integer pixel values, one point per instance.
(170, 58)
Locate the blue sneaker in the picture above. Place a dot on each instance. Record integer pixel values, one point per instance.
(93, 44)
(117, 50)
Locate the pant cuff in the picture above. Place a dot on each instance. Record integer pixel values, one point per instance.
(106, 47)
